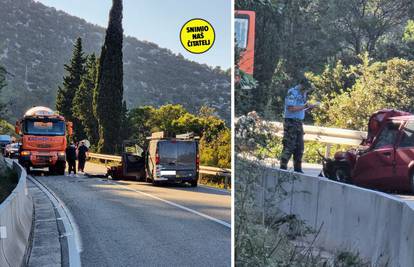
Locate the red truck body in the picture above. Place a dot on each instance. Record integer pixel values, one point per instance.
(245, 38)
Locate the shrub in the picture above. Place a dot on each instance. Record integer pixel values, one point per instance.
(362, 90)
(8, 182)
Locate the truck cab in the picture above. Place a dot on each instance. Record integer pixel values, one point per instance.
(244, 27)
(43, 137)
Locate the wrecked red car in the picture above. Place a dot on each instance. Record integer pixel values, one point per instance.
(132, 165)
(385, 161)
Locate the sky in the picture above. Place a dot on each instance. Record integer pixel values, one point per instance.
(160, 22)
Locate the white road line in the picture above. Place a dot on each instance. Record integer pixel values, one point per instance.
(175, 205)
(71, 229)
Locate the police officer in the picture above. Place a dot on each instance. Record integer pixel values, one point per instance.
(295, 106)
(71, 158)
(82, 153)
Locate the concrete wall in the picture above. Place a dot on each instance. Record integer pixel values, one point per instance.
(15, 222)
(378, 226)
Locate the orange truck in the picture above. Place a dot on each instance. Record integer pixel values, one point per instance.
(43, 136)
(244, 27)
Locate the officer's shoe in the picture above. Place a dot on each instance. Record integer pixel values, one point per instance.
(283, 164)
(297, 167)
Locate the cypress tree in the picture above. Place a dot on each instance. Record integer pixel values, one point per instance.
(3, 73)
(125, 133)
(64, 100)
(109, 91)
(83, 101)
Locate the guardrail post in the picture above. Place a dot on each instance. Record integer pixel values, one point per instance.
(226, 182)
(328, 150)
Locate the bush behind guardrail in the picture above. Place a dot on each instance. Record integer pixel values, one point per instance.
(273, 149)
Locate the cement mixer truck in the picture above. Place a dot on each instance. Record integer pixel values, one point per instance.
(43, 136)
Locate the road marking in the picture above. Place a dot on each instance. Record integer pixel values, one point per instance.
(71, 229)
(175, 205)
(3, 232)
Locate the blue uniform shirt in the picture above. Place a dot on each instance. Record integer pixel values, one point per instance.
(295, 98)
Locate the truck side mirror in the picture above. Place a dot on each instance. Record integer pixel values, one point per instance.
(17, 128)
(69, 126)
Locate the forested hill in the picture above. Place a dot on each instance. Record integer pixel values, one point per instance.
(36, 41)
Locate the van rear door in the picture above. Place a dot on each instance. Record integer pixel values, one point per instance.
(186, 155)
(167, 151)
(178, 158)
(186, 160)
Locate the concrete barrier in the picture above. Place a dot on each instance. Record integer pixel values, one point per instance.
(376, 225)
(15, 222)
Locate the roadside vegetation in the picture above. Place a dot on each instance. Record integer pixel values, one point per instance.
(359, 56)
(8, 180)
(215, 181)
(272, 148)
(91, 95)
(215, 137)
(5, 127)
(77, 100)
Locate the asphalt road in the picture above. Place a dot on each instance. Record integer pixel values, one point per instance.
(124, 223)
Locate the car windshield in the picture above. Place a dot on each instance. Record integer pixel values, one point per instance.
(387, 135)
(44, 127)
(133, 149)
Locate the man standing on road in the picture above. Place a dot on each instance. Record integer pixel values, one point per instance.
(71, 158)
(82, 150)
(295, 107)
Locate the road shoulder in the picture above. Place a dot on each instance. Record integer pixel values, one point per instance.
(46, 244)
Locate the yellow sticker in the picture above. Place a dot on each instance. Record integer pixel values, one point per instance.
(197, 36)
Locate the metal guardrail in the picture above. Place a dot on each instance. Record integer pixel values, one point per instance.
(215, 171)
(203, 169)
(105, 157)
(325, 135)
